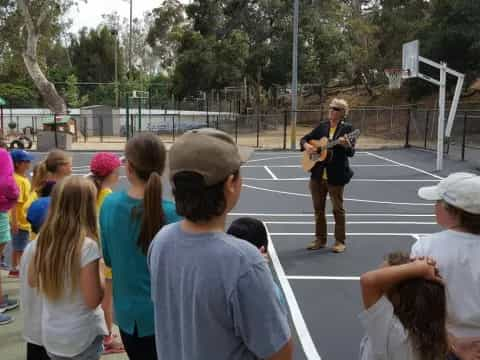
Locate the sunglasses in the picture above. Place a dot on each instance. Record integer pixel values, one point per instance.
(335, 108)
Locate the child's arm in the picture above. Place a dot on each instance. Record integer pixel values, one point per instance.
(14, 219)
(91, 284)
(377, 282)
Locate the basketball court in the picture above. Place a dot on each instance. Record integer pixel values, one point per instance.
(322, 289)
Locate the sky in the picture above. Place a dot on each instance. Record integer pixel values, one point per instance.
(90, 14)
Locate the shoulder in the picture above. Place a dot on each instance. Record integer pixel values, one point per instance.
(21, 181)
(170, 211)
(241, 249)
(347, 126)
(90, 251)
(427, 243)
(104, 192)
(322, 126)
(111, 198)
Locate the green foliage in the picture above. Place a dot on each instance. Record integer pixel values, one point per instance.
(72, 94)
(93, 55)
(182, 49)
(18, 95)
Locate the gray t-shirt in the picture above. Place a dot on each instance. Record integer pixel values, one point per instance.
(214, 298)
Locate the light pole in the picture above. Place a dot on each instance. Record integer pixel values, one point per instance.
(114, 32)
(293, 135)
(130, 42)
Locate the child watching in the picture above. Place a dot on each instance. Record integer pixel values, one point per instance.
(405, 311)
(20, 226)
(65, 270)
(56, 166)
(104, 172)
(214, 296)
(254, 232)
(8, 198)
(129, 221)
(457, 250)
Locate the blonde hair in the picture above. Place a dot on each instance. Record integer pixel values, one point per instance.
(71, 218)
(342, 104)
(39, 178)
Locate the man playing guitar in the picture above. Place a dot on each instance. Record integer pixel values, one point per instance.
(331, 176)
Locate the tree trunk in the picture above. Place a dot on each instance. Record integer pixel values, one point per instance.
(30, 57)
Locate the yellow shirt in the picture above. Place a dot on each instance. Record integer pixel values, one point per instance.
(24, 188)
(330, 136)
(104, 192)
(33, 196)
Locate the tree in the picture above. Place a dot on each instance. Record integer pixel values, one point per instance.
(93, 55)
(452, 35)
(40, 17)
(74, 99)
(168, 22)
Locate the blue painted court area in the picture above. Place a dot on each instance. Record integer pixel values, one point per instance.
(384, 214)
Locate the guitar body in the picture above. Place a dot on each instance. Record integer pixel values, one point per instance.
(322, 154)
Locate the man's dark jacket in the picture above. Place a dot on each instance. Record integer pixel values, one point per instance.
(338, 168)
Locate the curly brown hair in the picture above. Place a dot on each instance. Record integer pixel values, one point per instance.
(421, 307)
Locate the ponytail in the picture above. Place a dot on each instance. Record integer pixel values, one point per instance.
(97, 181)
(153, 217)
(40, 176)
(146, 156)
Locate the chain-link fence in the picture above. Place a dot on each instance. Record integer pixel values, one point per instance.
(464, 142)
(380, 127)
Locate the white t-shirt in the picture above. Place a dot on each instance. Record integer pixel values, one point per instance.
(69, 327)
(386, 338)
(458, 260)
(31, 300)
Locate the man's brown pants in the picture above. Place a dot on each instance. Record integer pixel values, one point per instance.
(319, 190)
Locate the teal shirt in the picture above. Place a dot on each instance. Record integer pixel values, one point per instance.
(131, 278)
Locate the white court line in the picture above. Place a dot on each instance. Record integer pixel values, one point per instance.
(353, 180)
(274, 158)
(355, 222)
(270, 172)
(404, 165)
(352, 234)
(330, 215)
(298, 321)
(341, 278)
(295, 156)
(345, 199)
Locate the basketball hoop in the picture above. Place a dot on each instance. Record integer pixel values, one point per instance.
(395, 77)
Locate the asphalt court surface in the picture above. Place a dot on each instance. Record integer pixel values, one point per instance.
(384, 214)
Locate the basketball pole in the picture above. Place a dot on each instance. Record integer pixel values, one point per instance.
(410, 62)
(441, 115)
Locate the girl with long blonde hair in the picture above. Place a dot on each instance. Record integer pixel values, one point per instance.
(65, 270)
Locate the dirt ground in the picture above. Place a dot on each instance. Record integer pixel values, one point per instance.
(270, 139)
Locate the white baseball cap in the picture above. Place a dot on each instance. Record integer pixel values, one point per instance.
(461, 190)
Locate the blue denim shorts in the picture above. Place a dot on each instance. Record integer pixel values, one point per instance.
(20, 240)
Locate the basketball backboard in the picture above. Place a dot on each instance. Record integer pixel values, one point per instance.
(410, 59)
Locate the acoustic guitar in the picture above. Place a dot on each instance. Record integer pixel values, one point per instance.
(324, 154)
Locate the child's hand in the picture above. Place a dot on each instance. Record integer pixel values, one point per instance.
(428, 268)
